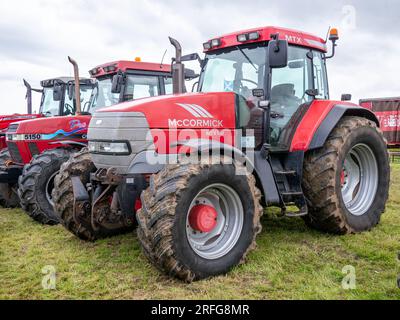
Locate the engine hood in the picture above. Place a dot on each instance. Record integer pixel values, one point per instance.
(55, 125)
(5, 120)
(191, 111)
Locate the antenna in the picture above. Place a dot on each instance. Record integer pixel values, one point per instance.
(327, 35)
(162, 60)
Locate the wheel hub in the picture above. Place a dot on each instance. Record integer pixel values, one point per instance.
(203, 218)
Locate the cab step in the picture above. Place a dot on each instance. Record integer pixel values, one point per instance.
(285, 173)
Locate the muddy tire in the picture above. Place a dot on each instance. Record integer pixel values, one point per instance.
(36, 184)
(80, 164)
(347, 181)
(166, 231)
(8, 193)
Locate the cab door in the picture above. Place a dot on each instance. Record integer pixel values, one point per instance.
(290, 96)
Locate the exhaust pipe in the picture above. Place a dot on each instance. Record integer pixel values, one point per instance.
(178, 69)
(77, 86)
(28, 96)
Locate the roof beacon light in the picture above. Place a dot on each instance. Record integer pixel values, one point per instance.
(334, 34)
(138, 59)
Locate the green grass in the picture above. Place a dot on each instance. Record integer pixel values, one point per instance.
(291, 262)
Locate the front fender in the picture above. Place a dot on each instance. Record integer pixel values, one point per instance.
(149, 162)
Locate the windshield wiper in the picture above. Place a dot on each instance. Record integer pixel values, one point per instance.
(247, 58)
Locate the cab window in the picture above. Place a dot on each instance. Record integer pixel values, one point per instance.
(138, 86)
(320, 76)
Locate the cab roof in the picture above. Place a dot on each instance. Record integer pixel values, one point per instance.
(63, 80)
(293, 36)
(122, 65)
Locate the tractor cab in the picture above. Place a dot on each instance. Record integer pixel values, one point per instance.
(58, 96)
(241, 63)
(122, 81)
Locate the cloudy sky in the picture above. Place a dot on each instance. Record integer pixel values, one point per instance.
(37, 35)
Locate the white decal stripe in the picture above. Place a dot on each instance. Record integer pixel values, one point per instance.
(195, 110)
(205, 111)
(199, 110)
(190, 110)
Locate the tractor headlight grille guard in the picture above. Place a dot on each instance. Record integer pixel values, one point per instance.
(117, 148)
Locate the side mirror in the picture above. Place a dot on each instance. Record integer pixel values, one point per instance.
(346, 97)
(191, 57)
(117, 83)
(71, 89)
(57, 92)
(278, 53)
(190, 74)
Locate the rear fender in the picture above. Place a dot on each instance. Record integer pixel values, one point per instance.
(332, 119)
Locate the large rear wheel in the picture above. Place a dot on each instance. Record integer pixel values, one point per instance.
(8, 192)
(37, 182)
(347, 181)
(199, 221)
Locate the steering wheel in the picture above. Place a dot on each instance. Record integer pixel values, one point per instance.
(69, 109)
(251, 81)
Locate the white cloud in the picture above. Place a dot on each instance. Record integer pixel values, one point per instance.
(37, 35)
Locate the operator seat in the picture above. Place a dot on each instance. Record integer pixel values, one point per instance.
(284, 104)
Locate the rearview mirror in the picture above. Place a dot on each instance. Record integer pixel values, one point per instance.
(71, 89)
(278, 53)
(346, 97)
(117, 83)
(190, 57)
(57, 92)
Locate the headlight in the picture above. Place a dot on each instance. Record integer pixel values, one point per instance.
(110, 147)
(15, 137)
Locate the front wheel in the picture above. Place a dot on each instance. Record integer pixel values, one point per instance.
(8, 192)
(37, 182)
(199, 221)
(347, 181)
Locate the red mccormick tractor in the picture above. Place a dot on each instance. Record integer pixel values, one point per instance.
(261, 131)
(41, 146)
(387, 110)
(50, 106)
(6, 120)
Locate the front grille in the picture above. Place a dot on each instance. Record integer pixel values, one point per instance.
(33, 148)
(13, 128)
(14, 152)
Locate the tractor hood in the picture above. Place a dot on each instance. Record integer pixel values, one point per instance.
(52, 128)
(5, 120)
(185, 111)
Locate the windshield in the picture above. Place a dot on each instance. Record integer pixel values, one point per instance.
(69, 107)
(239, 70)
(102, 96)
(141, 86)
(49, 107)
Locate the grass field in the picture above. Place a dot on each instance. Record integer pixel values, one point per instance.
(291, 262)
